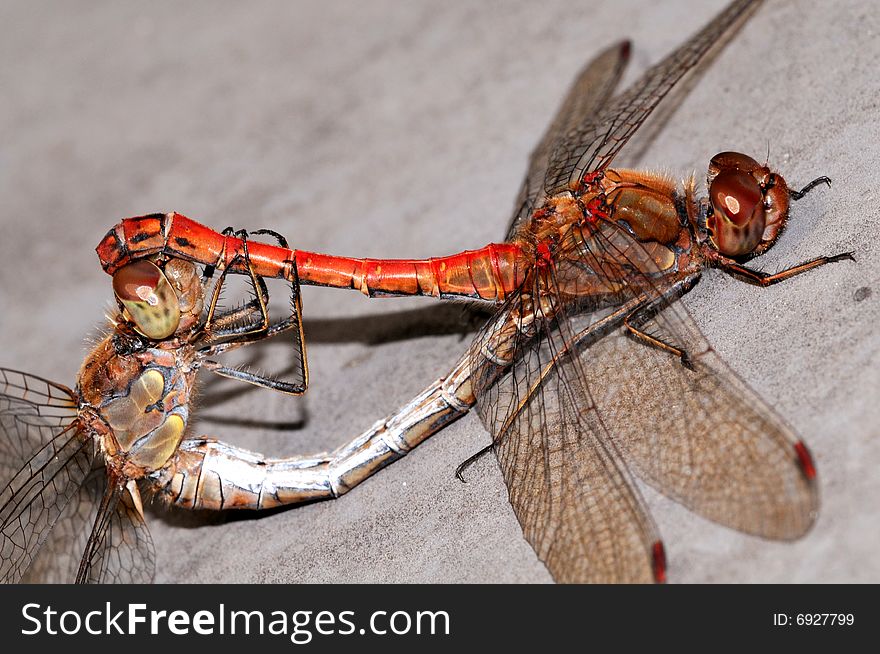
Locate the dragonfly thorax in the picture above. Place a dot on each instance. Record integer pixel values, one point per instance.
(137, 401)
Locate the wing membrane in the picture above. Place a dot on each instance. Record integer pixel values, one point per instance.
(32, 410)
(34, 498)
(123, 554)
(568, 484)
(119, 548)
(591, 89)
(700, 436)
(572, 399)
(593, 144)
(43, 460)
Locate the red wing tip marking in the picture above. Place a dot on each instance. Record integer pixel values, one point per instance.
(805, 459)
(625, 49)
(659, 556)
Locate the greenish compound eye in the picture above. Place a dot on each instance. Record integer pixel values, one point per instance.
(148, 298)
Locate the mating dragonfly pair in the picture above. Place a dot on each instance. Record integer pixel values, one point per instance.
(587, 374)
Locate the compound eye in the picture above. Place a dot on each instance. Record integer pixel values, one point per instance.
(736, 195)
(149, 299)
(736, 160)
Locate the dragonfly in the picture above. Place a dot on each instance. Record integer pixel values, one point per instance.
(588, 375)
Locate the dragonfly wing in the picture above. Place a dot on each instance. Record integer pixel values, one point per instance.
(36, 495)
(44, 458)
(572, 399)
(593, 144)
(47, 398)
(568, 485)
(125, 555)
(591, 89)
(700, 436)
(32, 410)
(119, 548)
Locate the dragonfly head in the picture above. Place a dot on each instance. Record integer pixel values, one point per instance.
(748, 205)
(157, 301)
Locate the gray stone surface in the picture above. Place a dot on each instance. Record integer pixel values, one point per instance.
(402, 129)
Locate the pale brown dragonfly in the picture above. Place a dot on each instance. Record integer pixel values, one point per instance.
(588, 373)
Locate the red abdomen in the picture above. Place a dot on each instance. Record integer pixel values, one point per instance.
(490, 273)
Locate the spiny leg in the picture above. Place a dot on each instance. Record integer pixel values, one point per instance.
(229, 323)
(283, 241)
(227, 326)
(648, 309)
(255, 378)
(797, 195)
(225, 323)
(468, 462)
(762, 279)
(264, 381)
(247, 334)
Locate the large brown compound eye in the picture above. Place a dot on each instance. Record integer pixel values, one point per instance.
(736, 194)
(149, 299)
(735, 160)
(738, 218)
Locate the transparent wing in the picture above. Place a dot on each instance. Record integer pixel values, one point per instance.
(125, 555)
(701, 436)
(119, 548)
(43, 460)
(53, 485)
(34, 498)
(47, 398)
(698, 434)
(128, 555)
(568, 485)
(35, 495)
(591, 89)
(33, 410)
(572, 400)
(593, 144)
(57, 560)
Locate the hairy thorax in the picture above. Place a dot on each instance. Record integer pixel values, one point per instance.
(136, 399)
(611, 226)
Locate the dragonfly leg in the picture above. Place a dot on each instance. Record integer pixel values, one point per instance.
(231, 231)
(468, 462)
(227, 324)
(636, 319)
(797, 195)
(263, 381)
(208, 474)
(760, 278)
(297, 387)
(232, 322)
(228, 319)
(283, 241)
(652, 341)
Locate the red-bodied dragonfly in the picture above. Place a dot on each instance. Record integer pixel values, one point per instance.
(588, 374)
